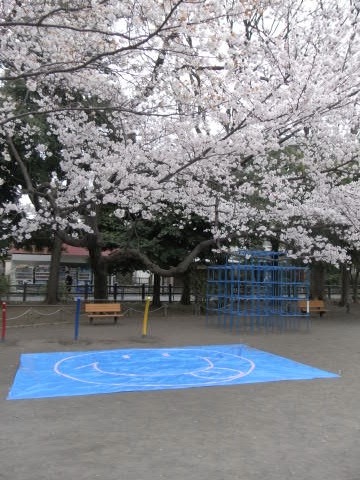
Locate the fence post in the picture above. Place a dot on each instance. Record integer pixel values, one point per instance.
(77, 319)
(143, 292)
(86, 290)
(170, 293)
(24, 291)
(115, 291)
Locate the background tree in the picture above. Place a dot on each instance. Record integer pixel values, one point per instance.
(167, 238)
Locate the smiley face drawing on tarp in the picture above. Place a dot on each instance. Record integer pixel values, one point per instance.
(173, 367)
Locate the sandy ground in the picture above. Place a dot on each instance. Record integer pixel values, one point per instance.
(303, 430)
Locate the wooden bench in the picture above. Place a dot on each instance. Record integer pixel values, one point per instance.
(315, 306)
(103, 310)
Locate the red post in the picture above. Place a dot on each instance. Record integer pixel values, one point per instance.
(3, 322)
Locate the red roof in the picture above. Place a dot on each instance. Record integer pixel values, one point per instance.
(66, 250)
(78, 251)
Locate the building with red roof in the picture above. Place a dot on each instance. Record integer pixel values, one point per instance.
(32, 266)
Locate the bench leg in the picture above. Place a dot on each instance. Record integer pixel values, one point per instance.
(115, 319)
(90, 320)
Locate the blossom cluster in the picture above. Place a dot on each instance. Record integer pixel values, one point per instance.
(246, 113)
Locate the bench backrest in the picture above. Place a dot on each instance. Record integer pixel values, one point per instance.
(102, 307)
(318, 304)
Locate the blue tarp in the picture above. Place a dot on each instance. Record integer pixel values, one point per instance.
(107, 371)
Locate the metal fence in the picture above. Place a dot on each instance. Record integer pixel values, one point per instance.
(35, 292)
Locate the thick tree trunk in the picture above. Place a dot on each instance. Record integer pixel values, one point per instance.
(199, 285)
(99, 268)
(156, 302)
(317, 281)
(275, 244)
(52, 291)
(345, 287)
(186, 290)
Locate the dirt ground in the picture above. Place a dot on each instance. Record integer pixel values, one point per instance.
(273, 431)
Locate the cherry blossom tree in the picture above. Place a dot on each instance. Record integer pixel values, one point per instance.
(244, 112)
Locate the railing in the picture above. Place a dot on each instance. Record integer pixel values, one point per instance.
(332, 292)
(169, 293)
(29, 292)
(128, 292)
(123, 292)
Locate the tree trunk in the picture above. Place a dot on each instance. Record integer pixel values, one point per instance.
(317, 281)
(186, 290)
(345, 287)
(275, 244)
(156, 292)
(99, 268)
(355, 285)
(52, 291)
(199, 285)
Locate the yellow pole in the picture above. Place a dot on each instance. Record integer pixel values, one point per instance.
(146, 316)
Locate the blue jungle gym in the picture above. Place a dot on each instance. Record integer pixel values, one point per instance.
(257, 290)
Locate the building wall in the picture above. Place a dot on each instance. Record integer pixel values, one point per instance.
(34, 269)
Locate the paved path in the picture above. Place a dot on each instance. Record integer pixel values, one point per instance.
(301, 430)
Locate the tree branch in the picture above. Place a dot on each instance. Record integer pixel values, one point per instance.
(153, 267)
(99, 56)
